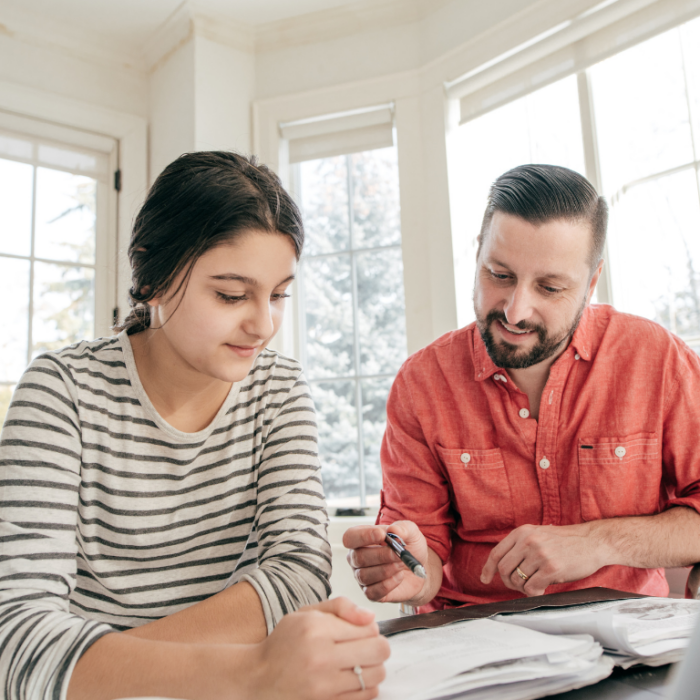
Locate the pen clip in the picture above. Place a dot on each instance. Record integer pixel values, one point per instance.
(396, 537)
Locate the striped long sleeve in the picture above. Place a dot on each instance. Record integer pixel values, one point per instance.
(111, 518)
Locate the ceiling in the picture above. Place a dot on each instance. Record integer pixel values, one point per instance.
(133, 22)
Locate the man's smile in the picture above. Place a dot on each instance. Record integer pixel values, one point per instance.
(512, 330)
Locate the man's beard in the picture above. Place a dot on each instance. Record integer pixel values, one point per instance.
(508, 356)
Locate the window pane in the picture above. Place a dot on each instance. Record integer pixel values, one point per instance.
(14, 290)
(655, 252)
(324, 204)
(337, 432)
(65, 216)
(690, 39)
(641, 111)
(15, 207)
(543, 127)
(327, 295)
(375, 198)
(374, 396)
(64, 306)
(382, 312)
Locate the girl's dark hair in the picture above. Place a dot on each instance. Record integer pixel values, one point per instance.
(199, 201)
(542, 193)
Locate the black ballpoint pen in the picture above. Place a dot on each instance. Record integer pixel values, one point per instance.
(399, 546)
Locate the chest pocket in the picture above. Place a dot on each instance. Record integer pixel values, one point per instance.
(480, 489)
(619, 476)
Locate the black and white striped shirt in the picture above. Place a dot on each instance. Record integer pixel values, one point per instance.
(110, 517)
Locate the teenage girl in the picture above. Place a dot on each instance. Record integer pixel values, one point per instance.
(161, 507)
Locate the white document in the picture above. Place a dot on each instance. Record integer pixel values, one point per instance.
(638, 627)
(467, 656)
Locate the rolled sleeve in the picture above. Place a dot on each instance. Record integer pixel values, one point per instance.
(681, 457)
(414, 486)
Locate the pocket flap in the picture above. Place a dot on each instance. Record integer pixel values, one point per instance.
(468, 458)
(613, 450)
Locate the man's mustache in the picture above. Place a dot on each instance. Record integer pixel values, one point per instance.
(495, 315)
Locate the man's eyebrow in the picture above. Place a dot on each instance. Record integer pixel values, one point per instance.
(233, 277)
(554, 276)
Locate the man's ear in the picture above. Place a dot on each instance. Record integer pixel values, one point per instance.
(594, 281)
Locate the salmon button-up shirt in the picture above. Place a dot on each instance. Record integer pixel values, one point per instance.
(618, 434)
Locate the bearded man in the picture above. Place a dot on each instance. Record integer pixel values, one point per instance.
(549, 446)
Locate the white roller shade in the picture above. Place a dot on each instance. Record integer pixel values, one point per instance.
(569, 48)
(336, 134)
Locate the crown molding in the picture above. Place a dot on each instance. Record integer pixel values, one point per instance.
(191, 19)
(233, 34)
(338, 22)
(69, 40)
(176, 31)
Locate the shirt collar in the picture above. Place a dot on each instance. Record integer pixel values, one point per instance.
(484, 366)
(580, 342)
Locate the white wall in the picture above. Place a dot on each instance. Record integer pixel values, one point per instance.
(224, 90)
(172, 108)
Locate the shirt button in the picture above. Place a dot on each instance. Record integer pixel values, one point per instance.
(524, 413)
(465, 457)
(544, 463)
(620, 451)
(577, 356)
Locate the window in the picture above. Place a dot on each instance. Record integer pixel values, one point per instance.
(631, 123)
(350, 309)
(50, 249)
(647, 106)
(542, 127)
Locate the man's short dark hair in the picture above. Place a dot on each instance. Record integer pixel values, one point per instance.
(542, 193)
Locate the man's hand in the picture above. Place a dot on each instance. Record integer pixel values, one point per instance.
(545, 554)
(381, 574)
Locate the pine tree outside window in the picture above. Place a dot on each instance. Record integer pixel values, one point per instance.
(350, 310)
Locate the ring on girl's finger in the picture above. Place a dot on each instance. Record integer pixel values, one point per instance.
(523, 576)
(358, 672)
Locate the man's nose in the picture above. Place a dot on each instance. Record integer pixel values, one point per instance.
(518, 306)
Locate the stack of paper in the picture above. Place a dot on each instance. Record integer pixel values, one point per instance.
(651, 631)
(485, 659)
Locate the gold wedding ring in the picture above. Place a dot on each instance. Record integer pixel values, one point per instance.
(523, 576)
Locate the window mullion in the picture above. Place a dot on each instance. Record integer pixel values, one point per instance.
(356, 340)
(592, 159)
(30, 322)
(691, 122)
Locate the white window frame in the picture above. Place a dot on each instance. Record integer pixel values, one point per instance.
(569, 49)
(25, 110)
(105, 151)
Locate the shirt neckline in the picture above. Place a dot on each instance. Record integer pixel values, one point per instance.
(150, 409)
